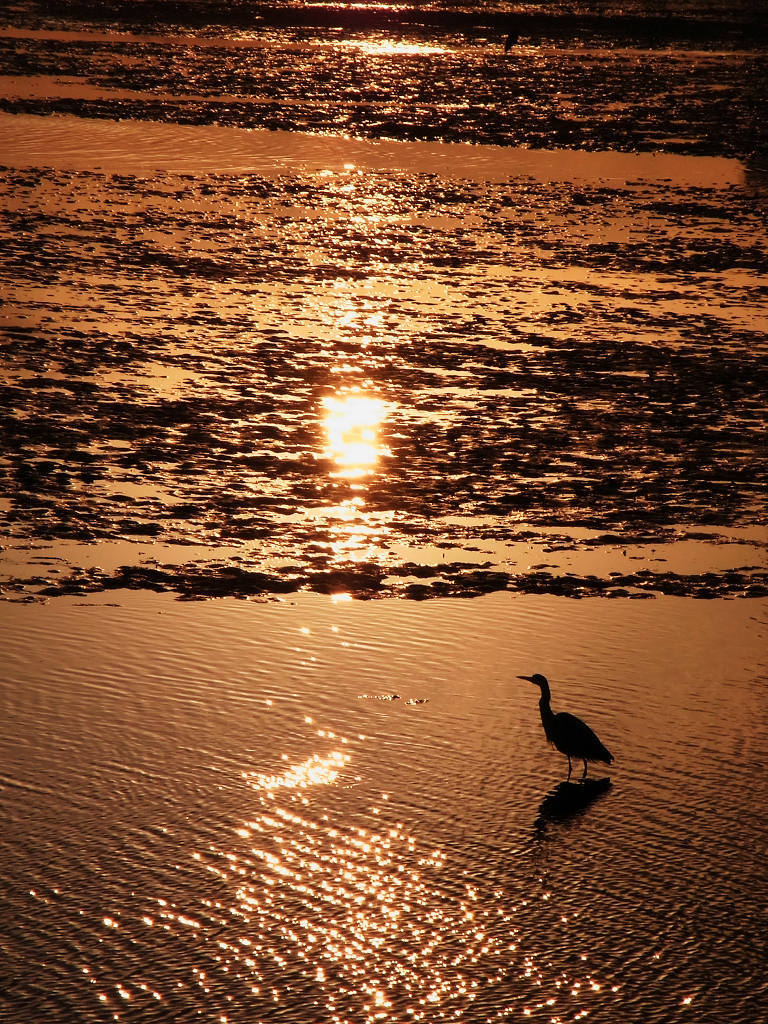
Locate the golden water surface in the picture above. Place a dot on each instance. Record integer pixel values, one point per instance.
(348, 812)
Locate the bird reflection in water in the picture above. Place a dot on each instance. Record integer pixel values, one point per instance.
(568, 799)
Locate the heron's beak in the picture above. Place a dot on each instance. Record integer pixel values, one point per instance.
(528, 679)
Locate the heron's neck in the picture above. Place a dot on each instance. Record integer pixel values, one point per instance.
(544, 707)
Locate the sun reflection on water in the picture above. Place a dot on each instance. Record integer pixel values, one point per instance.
(352, 421)
(315, 771)
(389, 47)
(351, 910)
(322, 906)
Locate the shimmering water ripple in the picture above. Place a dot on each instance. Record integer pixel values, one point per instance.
(220, 828)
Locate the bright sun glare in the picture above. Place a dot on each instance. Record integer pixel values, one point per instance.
(390, 47)
(352, 422)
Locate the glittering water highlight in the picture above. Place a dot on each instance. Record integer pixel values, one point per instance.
(258, 837)
(250, 839)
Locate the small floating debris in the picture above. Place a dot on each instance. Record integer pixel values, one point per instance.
(392, 697)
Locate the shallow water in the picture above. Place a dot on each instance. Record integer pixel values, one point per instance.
(230, 825)
(606, 79)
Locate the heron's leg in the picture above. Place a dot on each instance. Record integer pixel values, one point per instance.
(570, 766)
(585, 770)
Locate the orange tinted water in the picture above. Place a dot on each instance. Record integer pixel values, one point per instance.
(211, 812)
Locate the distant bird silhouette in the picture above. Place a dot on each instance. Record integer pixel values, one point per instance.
(511, 40)
(566, 732)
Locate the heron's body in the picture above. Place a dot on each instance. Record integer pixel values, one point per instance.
(566, 732)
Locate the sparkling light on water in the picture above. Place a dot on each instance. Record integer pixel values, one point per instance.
(352, 422)
(390, 47)
(353, 917)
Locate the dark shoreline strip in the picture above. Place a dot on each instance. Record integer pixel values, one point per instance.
(197, 581)
(748, 29)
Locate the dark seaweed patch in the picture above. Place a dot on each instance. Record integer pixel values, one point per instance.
(167, 384)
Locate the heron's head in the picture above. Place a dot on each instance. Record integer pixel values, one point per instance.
(537, 679)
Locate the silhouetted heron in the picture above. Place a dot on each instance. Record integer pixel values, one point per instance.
(566, 732)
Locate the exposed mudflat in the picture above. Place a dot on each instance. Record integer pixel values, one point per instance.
(329, 357)
(623, 80)
(382, 380)
(485, 309)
